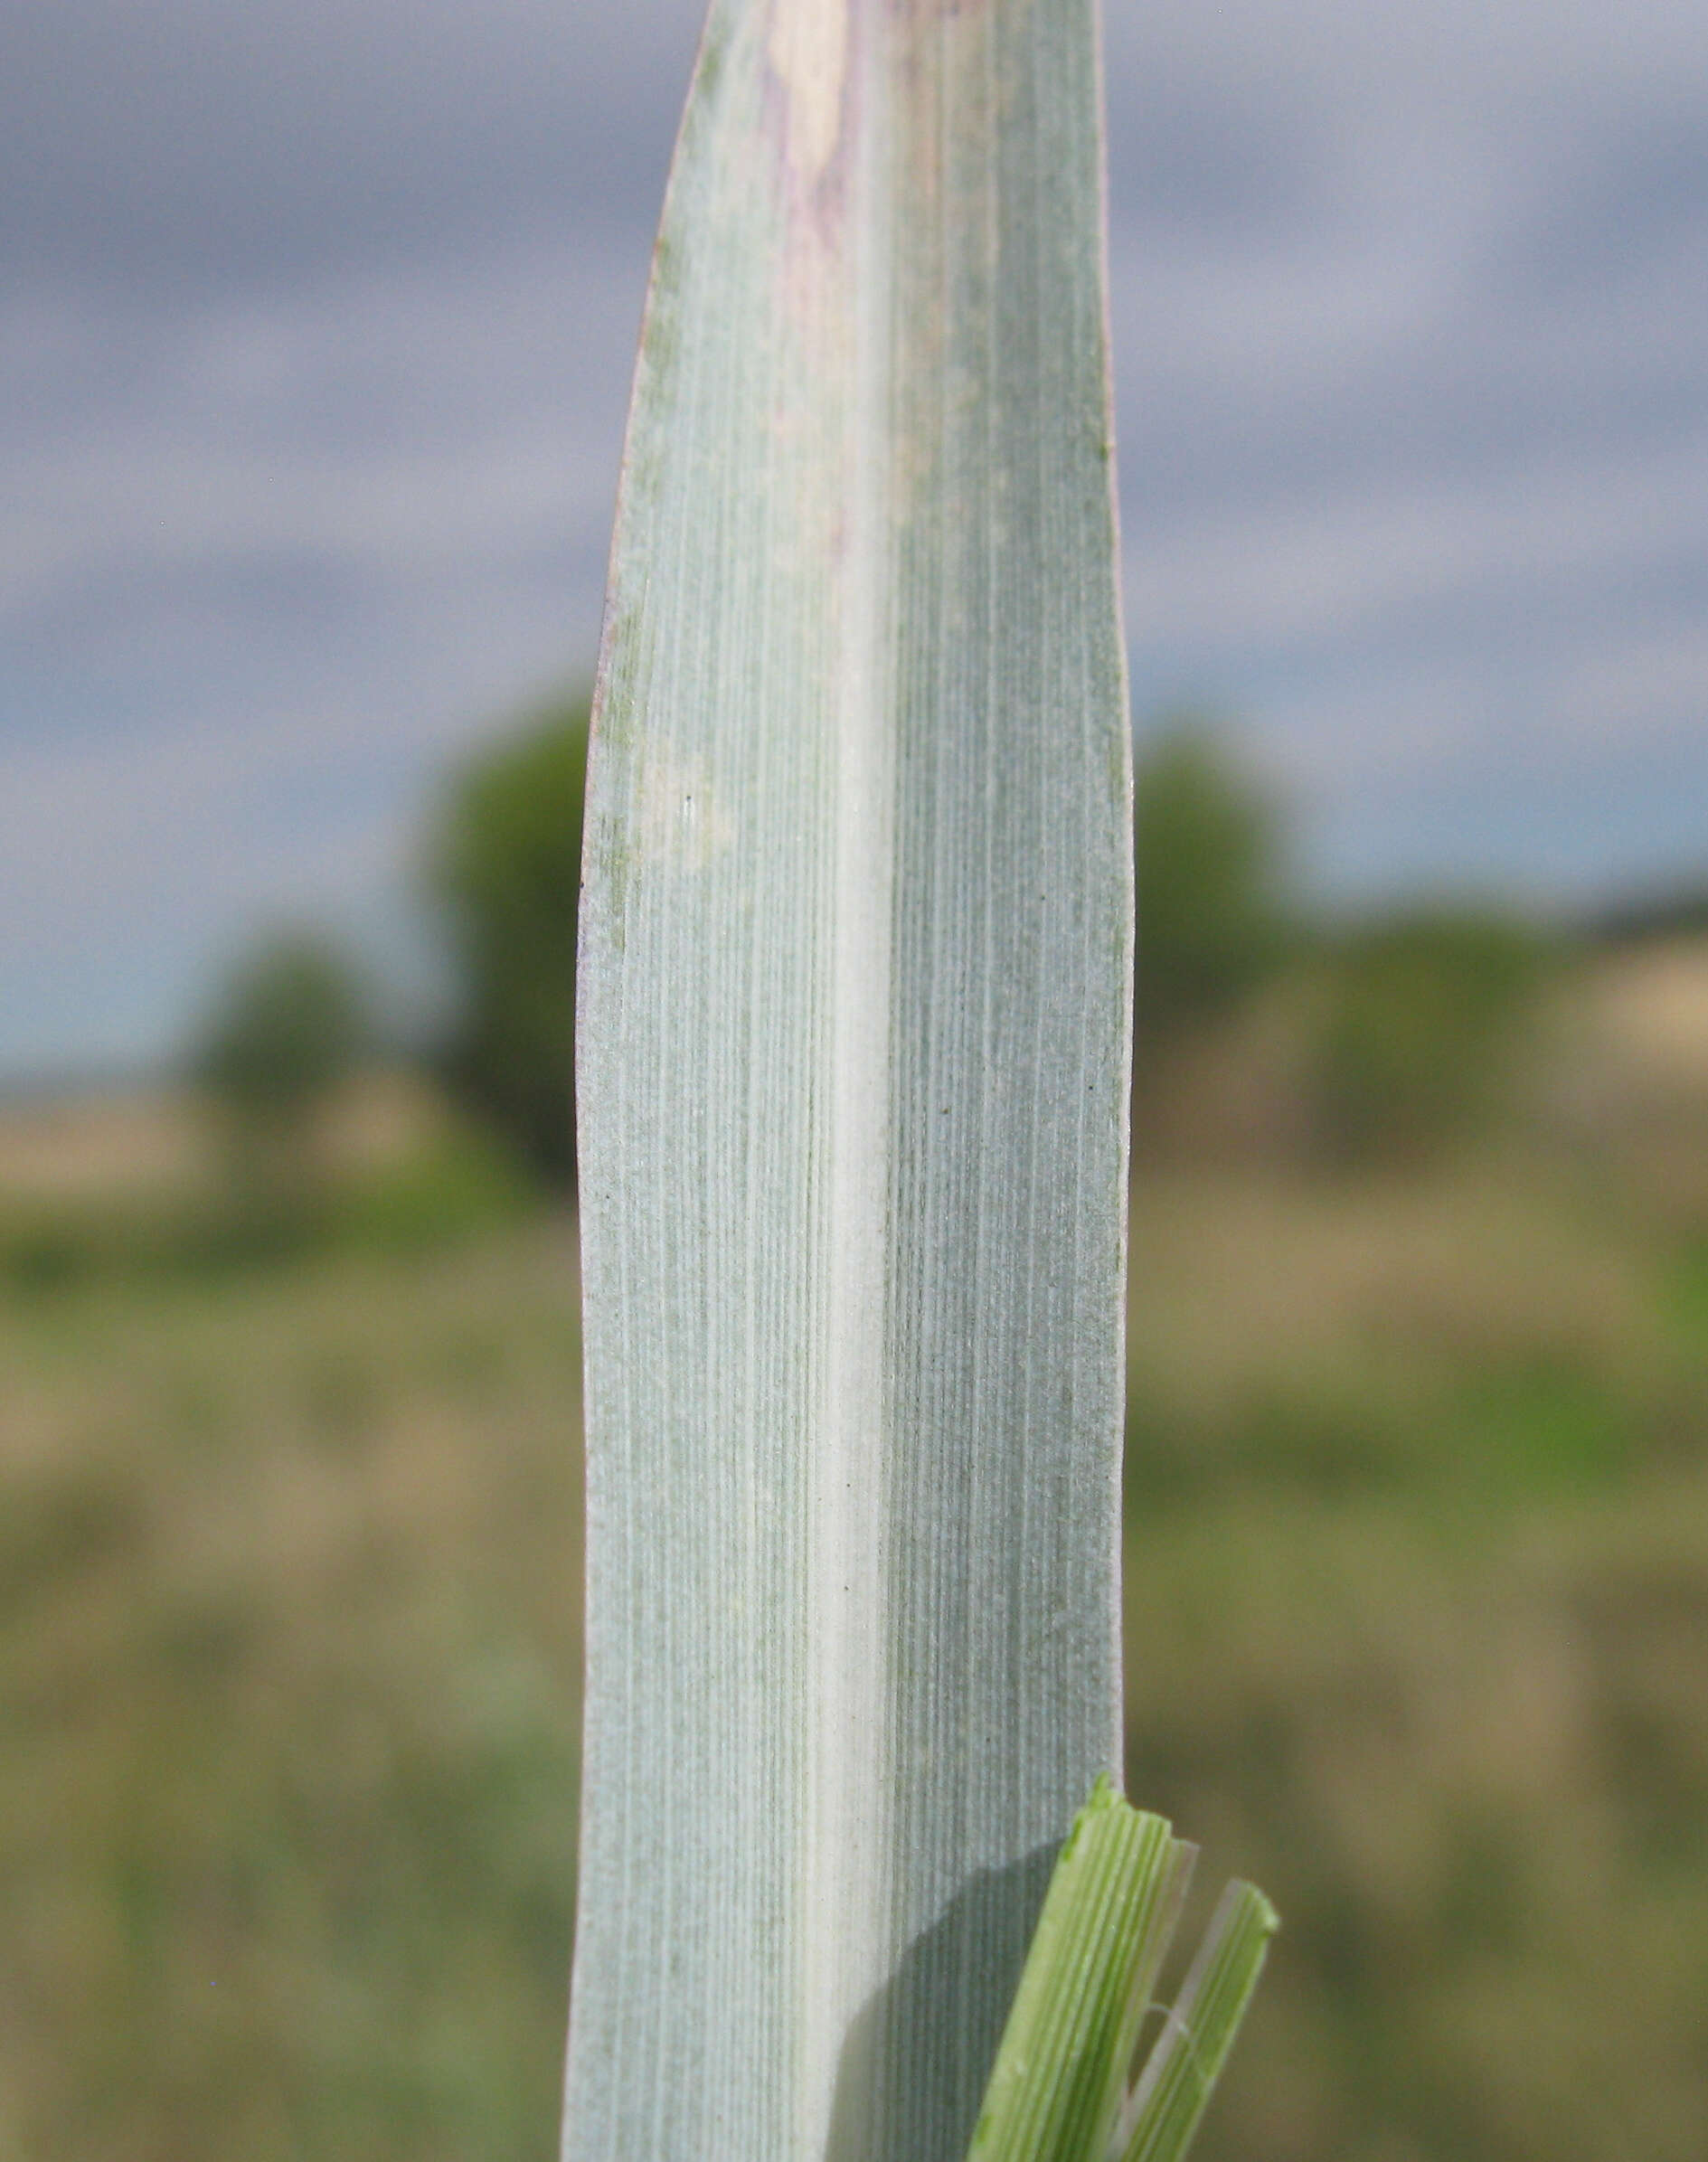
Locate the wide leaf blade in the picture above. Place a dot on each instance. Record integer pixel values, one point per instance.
(854, 1035)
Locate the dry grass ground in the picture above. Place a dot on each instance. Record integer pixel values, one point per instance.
(127, 1146)
(1652, 1004)
(287, 1672)
(1418, 1636)
(98, 1145)
(1417, 1631)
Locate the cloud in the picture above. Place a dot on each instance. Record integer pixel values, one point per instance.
(191, 140)
(1544, 58)
(1365, 566)
(1410, 345)
(382, 427)
(258, 584)
(315, 328)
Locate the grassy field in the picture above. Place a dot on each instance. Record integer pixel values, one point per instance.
(288, 1675)
(1417, 1636)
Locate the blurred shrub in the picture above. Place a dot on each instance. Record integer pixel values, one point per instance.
(1210, 865)
(1667, 913)
(1417, 1031)
(504, 870)
(289, 1027)
(462, 1188)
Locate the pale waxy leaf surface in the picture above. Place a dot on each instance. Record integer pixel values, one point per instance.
(854, 1048)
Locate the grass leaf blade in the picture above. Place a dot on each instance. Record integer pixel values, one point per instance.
(856, 967)
(1060, 2078)
(1182, 2071)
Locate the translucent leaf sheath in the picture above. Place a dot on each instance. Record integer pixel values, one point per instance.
(854, 1050)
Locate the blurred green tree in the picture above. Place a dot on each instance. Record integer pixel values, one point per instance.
(1420, 1030)
(288, 1024)
(503, 872)
(1210, 866)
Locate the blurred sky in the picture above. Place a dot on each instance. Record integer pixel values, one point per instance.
(316, 325)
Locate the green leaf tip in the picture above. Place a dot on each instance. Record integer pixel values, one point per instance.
(1058, 2089)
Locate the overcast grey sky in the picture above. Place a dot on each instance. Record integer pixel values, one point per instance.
(316, 325)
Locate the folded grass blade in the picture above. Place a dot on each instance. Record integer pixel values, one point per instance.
(1061, 2074)
(1183, 2069)
(1058, 2089)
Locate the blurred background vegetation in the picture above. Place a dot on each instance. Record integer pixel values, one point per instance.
(1417, 1519)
